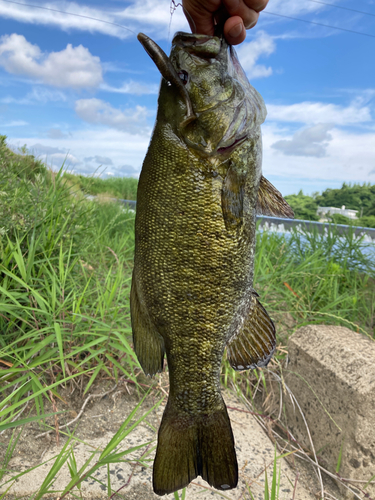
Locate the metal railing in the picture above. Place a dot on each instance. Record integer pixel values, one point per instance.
(288, 224)
(129, 203)
(321, 227)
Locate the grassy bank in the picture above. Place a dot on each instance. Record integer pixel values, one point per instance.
(314, 278)
(65, 277)
(65, 271)
(124, 188)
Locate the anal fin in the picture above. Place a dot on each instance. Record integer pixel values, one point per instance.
(271, 202)
(255, 342)
(148, 343)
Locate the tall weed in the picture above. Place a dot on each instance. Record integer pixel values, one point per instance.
(316, 279)
(64, 287)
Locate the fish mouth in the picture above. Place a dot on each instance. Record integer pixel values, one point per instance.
(230, 147)
(168, 72)
(204, 46)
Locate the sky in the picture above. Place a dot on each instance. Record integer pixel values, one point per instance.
(83, 93)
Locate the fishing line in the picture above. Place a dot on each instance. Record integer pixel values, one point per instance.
(318, 24)
(172, 8)
(344, 8)
(71, 14)
(190, 20)
(264, 12)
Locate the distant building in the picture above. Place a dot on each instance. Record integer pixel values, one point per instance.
(351, 214)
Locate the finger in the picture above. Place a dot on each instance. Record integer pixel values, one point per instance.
(238, 8)
(257, 5)
(233, 6)
(199, 17)
(234, 30)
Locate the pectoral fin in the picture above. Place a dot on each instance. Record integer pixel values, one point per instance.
(148, 343)
(270, 201)
(255, 342)
(232, 195)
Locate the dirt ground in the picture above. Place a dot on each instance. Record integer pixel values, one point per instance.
(105, 415)
(101, 414)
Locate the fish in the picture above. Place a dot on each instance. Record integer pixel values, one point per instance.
(192, 296)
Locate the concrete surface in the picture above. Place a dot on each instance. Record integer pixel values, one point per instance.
(254, 451)
(339, 366)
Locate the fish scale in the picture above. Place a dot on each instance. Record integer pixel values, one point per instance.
(192, 288)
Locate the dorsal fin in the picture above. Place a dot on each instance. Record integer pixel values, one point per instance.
(270, 201)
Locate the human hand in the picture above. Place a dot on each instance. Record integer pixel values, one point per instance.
(239, 15)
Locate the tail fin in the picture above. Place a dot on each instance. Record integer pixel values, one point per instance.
(190, 446)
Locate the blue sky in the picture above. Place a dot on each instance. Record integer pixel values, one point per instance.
(76, 90)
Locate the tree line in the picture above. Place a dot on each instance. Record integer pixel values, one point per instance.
(359, 197)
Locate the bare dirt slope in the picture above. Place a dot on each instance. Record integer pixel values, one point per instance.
(102, 418)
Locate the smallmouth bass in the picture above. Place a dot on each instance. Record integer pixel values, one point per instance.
(192, 294)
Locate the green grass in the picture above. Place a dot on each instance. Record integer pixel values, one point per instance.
(65, 273)
(124, 188)
(317, 279)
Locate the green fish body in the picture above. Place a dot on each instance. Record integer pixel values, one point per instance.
(192, 293)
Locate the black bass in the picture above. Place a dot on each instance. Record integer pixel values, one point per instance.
(192, 293)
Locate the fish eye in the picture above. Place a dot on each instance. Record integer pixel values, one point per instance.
(183, 76)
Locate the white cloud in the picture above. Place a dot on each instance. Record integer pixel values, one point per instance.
(153, 17)
(310, 141)
(106, 171)
(148, 15)
(103, 160)
(250, 52)
(139, 15)
(350, 156)
(127, 151)
(59, 159)
(43, 95)
(56, 133)
(125, 170)
(156, 15)
(32, 15)
(295, 7)
(132, 87)
(72, 67)
(52, 156)
(15, 123)
(42, 149)
(99, 112)
(318, 112)
(38, 95)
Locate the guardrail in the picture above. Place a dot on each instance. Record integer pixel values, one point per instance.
(288, 224)
(309, 225)
(130, 203)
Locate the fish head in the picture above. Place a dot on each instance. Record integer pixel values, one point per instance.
(227, 109)
(201, 62)
(205, 97)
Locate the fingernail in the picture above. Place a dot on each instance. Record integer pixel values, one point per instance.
(236, 30)
(251, 24)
